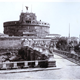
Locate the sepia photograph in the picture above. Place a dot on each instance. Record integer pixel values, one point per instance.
(40, 40)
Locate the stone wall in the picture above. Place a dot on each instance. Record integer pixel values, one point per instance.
(14, 43)
(17, 30)
(6, 43)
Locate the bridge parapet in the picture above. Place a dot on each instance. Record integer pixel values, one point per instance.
(36, 42)
(69, 55)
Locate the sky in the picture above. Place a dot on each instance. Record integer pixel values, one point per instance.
(60, 15)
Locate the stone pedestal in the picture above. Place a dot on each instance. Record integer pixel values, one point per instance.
(26, 64)
(15, 65)
(4, 66)
(36, 63)
(51, 62)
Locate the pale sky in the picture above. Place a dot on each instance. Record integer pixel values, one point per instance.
(57, 14)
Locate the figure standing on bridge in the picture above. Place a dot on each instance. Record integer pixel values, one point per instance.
(51, 47)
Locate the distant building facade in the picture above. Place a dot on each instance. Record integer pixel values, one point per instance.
(53, 36)
(26, 26)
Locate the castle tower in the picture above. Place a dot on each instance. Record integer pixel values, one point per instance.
(27, 26)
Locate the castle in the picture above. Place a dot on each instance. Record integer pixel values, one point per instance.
(27, 26)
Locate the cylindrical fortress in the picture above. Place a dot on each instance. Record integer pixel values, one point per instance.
(26, 26)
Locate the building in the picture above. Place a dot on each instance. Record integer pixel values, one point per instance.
(52, 36)
(27, 26)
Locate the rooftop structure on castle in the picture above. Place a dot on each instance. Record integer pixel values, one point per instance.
(27, 26)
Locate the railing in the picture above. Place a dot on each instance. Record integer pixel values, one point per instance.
(26, 64)
(69, 54)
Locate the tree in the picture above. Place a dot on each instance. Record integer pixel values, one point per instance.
(61, 44)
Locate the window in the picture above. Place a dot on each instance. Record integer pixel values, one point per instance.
(28, 21)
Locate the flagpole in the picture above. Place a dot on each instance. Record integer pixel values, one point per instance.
(22, 8)
(31, 8)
